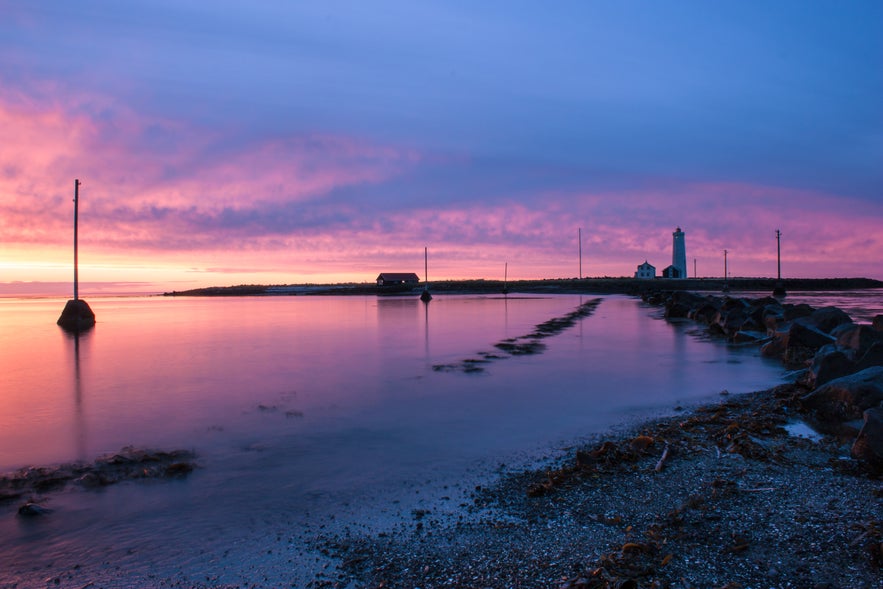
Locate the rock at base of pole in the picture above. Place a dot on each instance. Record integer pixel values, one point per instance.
(77, 316)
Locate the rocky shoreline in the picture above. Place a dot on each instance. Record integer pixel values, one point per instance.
(30, 487)
(727, 495)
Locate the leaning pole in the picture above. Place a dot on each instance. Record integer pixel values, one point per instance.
(77, 315)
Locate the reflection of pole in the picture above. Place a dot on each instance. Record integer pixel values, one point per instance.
(778, 254)
(506, 279)
(425, 296)
(426, 330)
(78, 399)
(76, 267)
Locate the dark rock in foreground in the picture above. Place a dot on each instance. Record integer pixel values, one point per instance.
(846, 398)
(868, 446)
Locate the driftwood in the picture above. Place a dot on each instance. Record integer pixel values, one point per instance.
(661, 464)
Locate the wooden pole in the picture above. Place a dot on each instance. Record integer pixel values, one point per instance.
(726, 273)
(76, 315)
(580, 240)
(778, 254)
(76, 263)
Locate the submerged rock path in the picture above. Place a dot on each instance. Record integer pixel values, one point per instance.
(524, 345)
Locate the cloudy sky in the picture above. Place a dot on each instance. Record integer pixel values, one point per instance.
(285, 142)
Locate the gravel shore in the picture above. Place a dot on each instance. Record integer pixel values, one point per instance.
(722, 496)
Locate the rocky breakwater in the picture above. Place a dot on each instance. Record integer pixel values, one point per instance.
(839, 362)
(33, 484)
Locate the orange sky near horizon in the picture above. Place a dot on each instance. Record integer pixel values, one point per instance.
(191, 177)
(159, 217)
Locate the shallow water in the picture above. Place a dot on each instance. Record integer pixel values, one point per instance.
(861, 305)
(309, 412)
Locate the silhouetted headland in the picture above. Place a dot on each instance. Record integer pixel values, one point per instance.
(630, 286)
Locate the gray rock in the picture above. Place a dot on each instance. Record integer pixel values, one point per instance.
(848, 397)
(873, 357)
(805, 334)
(827, 318)
(776, 347)
(830, 363)
(792, 312)
(856, 337)
(868, 446)
(31, 509)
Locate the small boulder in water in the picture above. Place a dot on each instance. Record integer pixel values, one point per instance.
(31, 509)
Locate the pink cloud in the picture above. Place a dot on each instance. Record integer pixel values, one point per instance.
(141, 178)
(173, 195)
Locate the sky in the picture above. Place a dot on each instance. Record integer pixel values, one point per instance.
(279, 142)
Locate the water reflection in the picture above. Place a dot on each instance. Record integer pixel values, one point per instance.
(75, 342)
(79, 421)
(373, 418)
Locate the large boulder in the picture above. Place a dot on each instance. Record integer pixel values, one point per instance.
(759, 309)
(855, 336)
(775, 348)
(773, 319)
(873, 357)
(877, 323)
(730, 321)
(868, 446)
(807, 335)
(827, 318)
(847, 398)
(76, 316)
(830, 363)
(680, 303)
(792, 312)
(804, 339)
(704, 313)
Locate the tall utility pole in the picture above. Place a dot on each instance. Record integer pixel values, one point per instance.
(726, 273)
(76, 316)
(579, 238)
(779, 288)
(779, 254)
(76, 264)
(694, 268)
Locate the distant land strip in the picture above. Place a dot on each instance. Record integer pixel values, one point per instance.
(630, 286)
(524, 345)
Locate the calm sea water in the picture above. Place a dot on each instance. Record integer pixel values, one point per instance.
(308, 413)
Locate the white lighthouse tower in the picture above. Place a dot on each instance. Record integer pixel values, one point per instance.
(679, 253)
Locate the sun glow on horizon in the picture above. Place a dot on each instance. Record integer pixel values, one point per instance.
(344, 183)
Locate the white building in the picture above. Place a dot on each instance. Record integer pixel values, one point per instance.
(646, 270)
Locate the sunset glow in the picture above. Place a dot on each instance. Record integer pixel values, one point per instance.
(225, 145)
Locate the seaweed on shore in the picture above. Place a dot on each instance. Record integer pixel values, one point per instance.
(524, 345)
(676, 502)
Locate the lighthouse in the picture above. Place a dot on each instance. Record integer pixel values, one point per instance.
(679, 254)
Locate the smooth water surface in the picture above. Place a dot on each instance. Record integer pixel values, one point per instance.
(307, 410)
